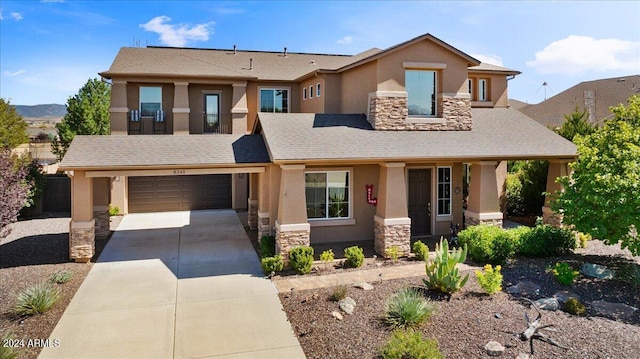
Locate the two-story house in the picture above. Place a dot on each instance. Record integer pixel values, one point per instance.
(318, 148)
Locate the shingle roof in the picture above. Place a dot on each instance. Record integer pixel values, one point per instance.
(493, 68)
(161, 150)
(496, 134)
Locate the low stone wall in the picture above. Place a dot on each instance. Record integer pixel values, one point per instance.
(82, 241)
(252, 214)
(551, 217)
(285, 240)
(386, 236)
(469, 221)
(102, 224)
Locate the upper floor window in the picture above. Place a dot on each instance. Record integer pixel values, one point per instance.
(304, 93)
(444, 191)
(311, 91)
(318, 90)
(482, 90)
(421, 92)
(274, 100)
(150, 100)
(327, 194)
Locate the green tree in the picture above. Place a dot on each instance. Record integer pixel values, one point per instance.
(576, 124)
(602, 196)
(13, 129)
(87, 114)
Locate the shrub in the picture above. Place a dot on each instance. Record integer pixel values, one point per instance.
(442, 273)
(301, 259)
(583, 239)
(267, 246)
(547, 241)
(326, 257)
(114, 210)
(410, 345)
(354, 256)
(491, 279)
(61, 277)
(573, 306)
(272, 264)
(421, 250)
(629, 273)
(7, 351)
(339, 293)
(564, 273)
(36, 299)
(488, 244)
(407, 308)
(393, 253)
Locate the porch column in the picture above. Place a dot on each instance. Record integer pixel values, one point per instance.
(101, 206)
(82, 226)
(181, 108)
(484, 203)
(239, 109)
(119, 111)
(392, 225)
(119, 194)
(252, 205)
(264, 188)
(292, 227)
(557, 168)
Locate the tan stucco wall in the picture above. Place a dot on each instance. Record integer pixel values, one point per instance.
(315, 104)
(332, 93)
(81, 197)
(240, 190)
(196, 104)
(356, 85)
(119, 194)
(253, 98)
(497, 84)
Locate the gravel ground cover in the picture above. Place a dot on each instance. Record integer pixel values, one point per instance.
(34, 251)
(470, 319)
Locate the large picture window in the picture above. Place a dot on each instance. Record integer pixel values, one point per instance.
(327, 194)
(421, 92)
(444, 191)
(150, 100)
(274, 100)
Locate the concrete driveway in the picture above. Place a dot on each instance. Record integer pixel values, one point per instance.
(176, 285)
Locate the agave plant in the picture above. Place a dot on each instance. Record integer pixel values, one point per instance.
(442, 273)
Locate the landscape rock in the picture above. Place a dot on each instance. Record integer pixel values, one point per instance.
(523, 356)
(547, 303)
(596, 271)
(494, 348)
(619, 310)
(563, 295)
(524, 288)
(347, 305)
(363, 285)
(337, 315)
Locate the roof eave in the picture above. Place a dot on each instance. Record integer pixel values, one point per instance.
(110, 75)
(497, 72)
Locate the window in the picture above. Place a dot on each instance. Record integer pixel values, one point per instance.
(304, 93)
(470, 88)
(444, 191)
(274, 100)
(482, 90)
(150, 100)
(421, 92)
(327, 194)
(318, 90)
(311, 91)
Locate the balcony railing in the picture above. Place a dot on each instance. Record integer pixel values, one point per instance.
(215, 124)
(147, 123)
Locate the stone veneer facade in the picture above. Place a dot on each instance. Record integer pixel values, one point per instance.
(470, 221)
(252, 214)
(551, 217)
(82, 240)
(264, 226)
(285, 240)
(390, 113)
(386, 236)
(102, 224)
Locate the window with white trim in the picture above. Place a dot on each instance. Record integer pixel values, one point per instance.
(311, 91)
(318, 90)
(274, 100)
(304, 93)
(327, 194)
(444, 191)
(470, 88)
(482, 90)
(421, 92)
(150, 100)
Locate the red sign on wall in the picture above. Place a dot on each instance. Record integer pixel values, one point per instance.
(370, 198)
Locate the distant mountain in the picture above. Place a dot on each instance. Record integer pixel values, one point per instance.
(35, 111)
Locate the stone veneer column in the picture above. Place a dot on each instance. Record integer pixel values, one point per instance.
(119, 111)
(264, 227)
(82, 226)
(181, 108)
(252, 220)
(557, 168)
(292, 228)
(392, 225)
(264, 189)
(484, 203)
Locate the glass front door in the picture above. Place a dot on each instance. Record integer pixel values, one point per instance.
(212, 113)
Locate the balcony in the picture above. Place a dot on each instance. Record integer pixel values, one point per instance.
(216, 123)
(147, 123)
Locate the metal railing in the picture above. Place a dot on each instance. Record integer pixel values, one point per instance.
(215, 124)
(139, 125)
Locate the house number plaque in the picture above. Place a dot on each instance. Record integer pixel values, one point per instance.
(179, 172)
(370, 198)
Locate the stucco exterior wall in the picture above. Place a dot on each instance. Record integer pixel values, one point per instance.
(332, 93)
(356, 85)
(313, 104)
(196, 105)
(497, 94)
(253, 98)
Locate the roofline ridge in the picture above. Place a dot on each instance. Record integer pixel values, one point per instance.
(237, 50)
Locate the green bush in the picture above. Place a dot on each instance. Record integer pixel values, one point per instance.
(410, 345)
(546, 241)
(114, 210)
(407, 308)
(564, 273)
(267, 246)
(393, 253)
(301, 259)
(525, 185)
(61, 277)
(442, 273)
(513, 195)
(421, 250)
(339, 293)
(354, 256)
(327, 257)
(491, 279)
(573, 306)
(583, 239)
(488, 244)
(7, 351)
(272, 264)
(36, 299)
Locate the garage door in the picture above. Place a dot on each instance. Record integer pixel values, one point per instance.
(179, 193)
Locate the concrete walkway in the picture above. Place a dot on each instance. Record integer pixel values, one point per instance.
(176, 285)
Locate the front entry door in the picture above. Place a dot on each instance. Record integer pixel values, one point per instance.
(420, 201)
(212, 113)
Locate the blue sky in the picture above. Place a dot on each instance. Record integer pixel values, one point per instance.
(49, 48)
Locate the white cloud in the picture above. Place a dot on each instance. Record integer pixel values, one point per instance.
(345, 40)
(177, 35)
(576, 55)
(15, 73)
(16, 16)
(489, 59)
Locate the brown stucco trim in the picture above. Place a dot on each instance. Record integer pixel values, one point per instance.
(330, 162)
(163, 167)
(495, 72)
